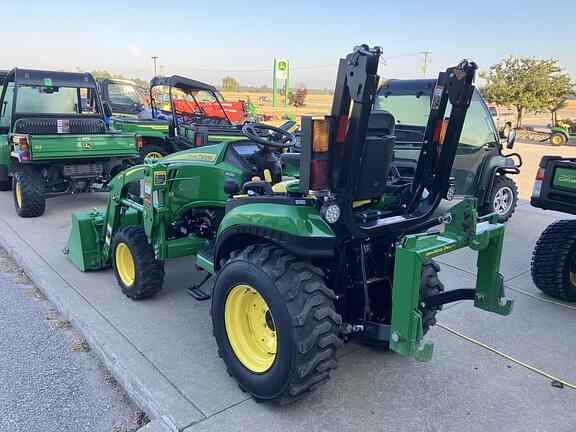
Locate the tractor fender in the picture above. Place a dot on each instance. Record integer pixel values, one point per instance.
(560, 130)
(299, 229)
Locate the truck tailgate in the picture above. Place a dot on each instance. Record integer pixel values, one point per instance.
(82, 146)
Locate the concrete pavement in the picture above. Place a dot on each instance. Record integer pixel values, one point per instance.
(162, 352)
(45, 386)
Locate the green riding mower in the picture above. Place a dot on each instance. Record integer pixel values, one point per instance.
(300, 266)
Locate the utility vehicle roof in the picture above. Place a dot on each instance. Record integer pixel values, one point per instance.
(116, 81)
(398, 87)
(181, 82)
(52, 78)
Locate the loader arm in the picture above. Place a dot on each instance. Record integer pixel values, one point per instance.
(90, 239)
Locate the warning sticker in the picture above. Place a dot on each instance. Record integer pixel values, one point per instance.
(63, 126)
(437, 97)
(160, 177)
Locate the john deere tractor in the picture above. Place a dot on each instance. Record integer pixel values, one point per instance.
(554, 257)
(300, 266)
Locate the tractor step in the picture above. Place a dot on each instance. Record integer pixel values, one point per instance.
(196, 292)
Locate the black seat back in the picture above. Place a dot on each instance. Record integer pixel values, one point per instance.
(376, 157)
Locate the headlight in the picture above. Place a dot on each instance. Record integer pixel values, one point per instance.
(330, 212)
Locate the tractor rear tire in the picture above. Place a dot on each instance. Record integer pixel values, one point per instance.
(152, 151)
(287, 349)
(138, 272)
(554, 260)
(557, 139)
(430, 285)
(28, 192)
(503, 198)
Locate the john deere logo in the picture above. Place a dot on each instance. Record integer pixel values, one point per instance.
(564, 179)
(282, 65)
(87, 146)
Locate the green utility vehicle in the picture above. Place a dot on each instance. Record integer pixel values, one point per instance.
(125, 99)
(480, 169)
(184, 113)
(554, 257)
(302, 265)
(54, 140)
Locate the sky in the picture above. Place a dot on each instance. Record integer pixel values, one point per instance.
(207, 40)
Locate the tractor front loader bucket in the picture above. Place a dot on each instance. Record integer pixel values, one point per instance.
(84, 244)
(462, 229)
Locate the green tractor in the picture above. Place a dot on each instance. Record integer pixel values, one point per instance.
(54, 139)
(299, 266)
(554, 257)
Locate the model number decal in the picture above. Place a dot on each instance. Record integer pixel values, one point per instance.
(205, 157)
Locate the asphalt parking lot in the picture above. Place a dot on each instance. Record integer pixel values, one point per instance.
(162, 351)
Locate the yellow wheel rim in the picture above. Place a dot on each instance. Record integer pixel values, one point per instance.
(250, 328)
(18, 191)
(556, 140)
(125, 264)
(154, 155)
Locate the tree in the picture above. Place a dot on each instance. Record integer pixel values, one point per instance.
(527, 84)
(101, 74)
(297, 98)
(230, 84)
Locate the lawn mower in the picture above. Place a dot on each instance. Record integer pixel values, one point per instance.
(562, 131)
(554, 257)
(301, 265)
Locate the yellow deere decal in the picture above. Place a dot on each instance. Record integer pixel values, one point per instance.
(439, 250)
(157, 127)
(204, 157)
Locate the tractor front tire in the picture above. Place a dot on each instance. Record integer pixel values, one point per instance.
(275, 323)
(138, 272)
(557, 139)
(28, 192)
(554, 260)
(503, 198)
(151, 151)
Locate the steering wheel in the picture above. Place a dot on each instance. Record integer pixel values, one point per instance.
(268, 136)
